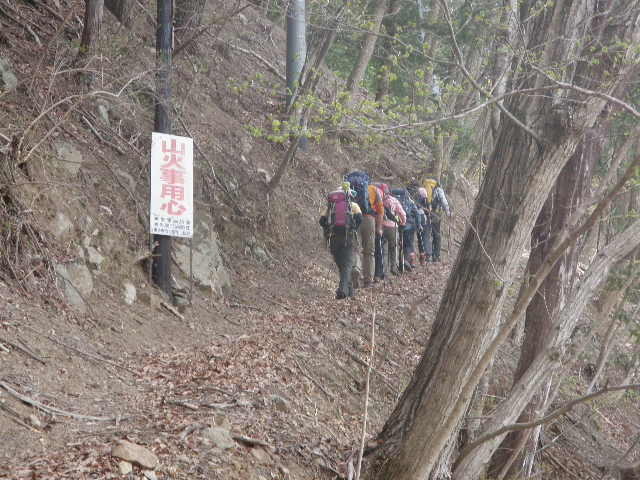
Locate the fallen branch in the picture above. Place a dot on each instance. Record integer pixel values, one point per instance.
(182, 403)
(15, 417)
(23, 350)
(315, 382)
(366, 396)
(271, 68)
(54, 410)
(251, 442)
(172, 310)
(88, 355)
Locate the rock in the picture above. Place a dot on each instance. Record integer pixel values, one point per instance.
(77, 283)
(69, 157)
(131, 183)
(8, 80)
(266, 177)
(135, 454)
(61, 225)
(221, 437)
(260, 455)
(150, 475)
(35, 421)
(124, 467)
(103, 113)
(130, 293)
(94, 257)
(209, 271)
(260, 254)
(281, 403)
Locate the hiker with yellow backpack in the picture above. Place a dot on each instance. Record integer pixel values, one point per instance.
(436, 203)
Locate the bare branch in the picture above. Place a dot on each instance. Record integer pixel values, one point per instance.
(476, 85)
(546, 419)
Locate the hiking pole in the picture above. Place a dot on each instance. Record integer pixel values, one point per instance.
(449, 236)
(401, 247)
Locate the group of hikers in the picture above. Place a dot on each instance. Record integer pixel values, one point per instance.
(371, 229)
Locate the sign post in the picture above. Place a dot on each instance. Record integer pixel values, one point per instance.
(161, 245)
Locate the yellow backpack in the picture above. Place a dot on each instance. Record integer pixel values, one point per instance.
(429, 185)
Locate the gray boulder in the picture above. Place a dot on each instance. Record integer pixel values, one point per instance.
(208, 269)
(8, 80)
(77, 283)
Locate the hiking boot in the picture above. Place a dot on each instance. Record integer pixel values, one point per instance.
(340, 295)
(423, 258)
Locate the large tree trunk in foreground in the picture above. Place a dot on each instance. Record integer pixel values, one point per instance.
(522, 172)
(571, 188)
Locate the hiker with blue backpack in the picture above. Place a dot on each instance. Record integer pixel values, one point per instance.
(340, 222)
(369, 199)
(410, 227)
(437, 203)
(394, 220)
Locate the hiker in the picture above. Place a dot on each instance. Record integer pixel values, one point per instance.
(437, 203)
(425, 223)
(340, 222)
(409, 229)
(394, 218)
(369, 199)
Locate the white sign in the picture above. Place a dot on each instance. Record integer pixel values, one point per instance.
(171, 209)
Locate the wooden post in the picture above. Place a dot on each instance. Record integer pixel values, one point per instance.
(164, 41)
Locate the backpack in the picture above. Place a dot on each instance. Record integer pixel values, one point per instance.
(360, 184)
(339, 209)
(430, 185)
(388, 214)
(407, 204)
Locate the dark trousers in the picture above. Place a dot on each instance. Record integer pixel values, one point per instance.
(433, 237)
(407, 238)
(422, 239)
(341, 247)
(379, 257)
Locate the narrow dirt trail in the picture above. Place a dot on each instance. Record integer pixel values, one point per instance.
(285, 366)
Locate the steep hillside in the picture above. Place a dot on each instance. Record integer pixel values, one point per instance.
(257, 373)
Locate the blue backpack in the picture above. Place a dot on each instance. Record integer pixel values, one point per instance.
(408, 205)
(360, 184)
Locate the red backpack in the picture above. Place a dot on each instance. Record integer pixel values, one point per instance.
(339, 209)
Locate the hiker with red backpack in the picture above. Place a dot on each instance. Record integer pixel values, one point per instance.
(340, 222)
(369, 199)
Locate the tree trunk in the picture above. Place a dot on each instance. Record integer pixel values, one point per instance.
(384, 74)
(91, 30)
(611, 304)
(506, 44)
(523, 171)
(551, 357)
(366, 52)
(571, 188)
(121, 9)
(188, 16)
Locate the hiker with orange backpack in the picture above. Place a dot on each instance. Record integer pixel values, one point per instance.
(437, 203)
(340, 222)
(369, 199)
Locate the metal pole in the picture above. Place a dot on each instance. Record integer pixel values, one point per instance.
(162, 124)
(296, 54)
(296, 46)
